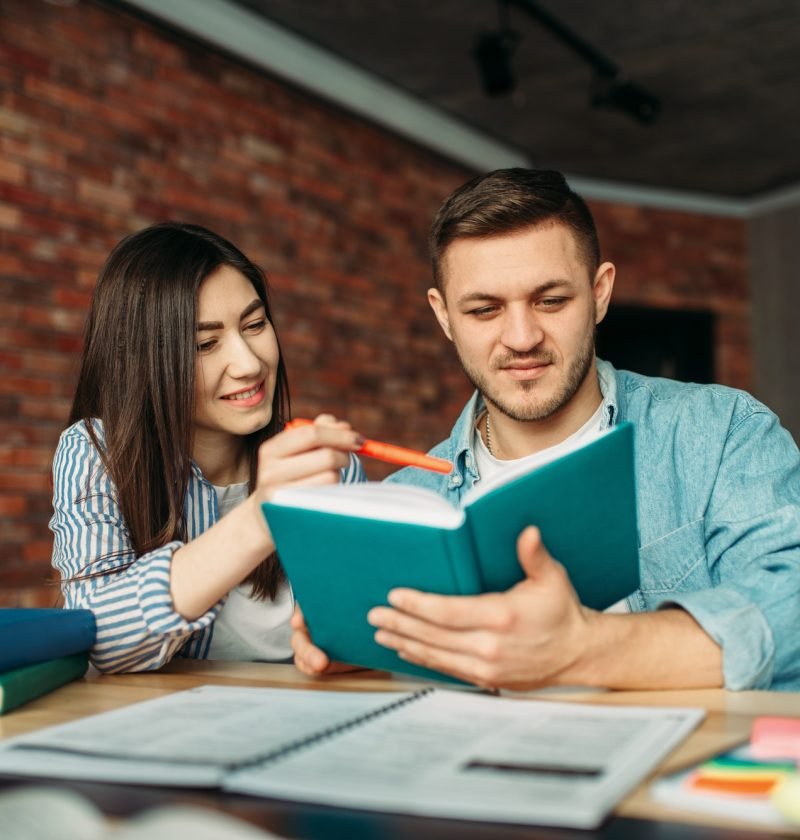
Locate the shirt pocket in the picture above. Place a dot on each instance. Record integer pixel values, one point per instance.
(675, 562)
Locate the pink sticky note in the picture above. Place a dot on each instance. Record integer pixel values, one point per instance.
(776, 737)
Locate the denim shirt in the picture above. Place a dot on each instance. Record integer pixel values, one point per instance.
(718, 498)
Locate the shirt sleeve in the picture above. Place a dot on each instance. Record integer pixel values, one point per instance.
(353, 473)
(137, 627)
(752, 535)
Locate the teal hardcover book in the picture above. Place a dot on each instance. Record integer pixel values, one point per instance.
(32, 681)
(344, 547)
(30, 635)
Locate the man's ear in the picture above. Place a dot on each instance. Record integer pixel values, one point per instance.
(439, 307)
(602, 288)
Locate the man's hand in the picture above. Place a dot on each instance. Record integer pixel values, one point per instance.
(307, 656)
(529, 636)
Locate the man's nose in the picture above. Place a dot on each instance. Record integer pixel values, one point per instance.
(521, 330)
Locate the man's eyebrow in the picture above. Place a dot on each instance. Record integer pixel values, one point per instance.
(251, 307)
(545, 287)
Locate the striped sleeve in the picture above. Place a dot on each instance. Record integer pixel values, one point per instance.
(353, 473)
(137, 628)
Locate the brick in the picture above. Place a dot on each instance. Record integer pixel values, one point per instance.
(13, 505)
(14, 122)
(104, 195)
(10, 217)
(12, 172)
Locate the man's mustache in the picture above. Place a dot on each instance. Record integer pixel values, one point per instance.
(522, 359)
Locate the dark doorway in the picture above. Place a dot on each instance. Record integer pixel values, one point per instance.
(659, 342)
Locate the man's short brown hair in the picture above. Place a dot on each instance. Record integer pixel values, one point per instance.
(507, 201)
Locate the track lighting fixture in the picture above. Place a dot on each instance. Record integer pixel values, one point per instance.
(611, 88)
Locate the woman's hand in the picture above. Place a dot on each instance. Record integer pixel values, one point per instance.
(306, 455)
(308, 658)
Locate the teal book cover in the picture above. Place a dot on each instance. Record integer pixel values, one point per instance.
(32, 681)
(344, 547)
(29, 635)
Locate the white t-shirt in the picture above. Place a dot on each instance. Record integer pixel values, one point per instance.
(489, 466)
(246, 628)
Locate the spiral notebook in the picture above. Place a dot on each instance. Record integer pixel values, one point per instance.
(433, 752)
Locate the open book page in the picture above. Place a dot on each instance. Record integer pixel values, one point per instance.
(373, 500)
(187, 738)
(485, 758)
(48, 813)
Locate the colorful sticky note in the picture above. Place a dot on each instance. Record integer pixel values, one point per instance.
(786, 799)
(776, 737)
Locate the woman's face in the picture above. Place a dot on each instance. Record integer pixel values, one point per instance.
(237, 356)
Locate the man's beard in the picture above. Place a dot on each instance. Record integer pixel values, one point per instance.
(536, 410)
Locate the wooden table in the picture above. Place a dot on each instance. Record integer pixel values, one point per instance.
(728, 722)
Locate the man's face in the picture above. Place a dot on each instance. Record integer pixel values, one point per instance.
(521, 310)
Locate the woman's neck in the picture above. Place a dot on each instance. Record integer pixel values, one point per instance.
(222, 459)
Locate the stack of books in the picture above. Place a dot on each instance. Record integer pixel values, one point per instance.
(41, 650)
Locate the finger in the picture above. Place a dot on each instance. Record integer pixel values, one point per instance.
(330, 420)
(283, 470)
(454, 611)
(312, 436)
(307, 656)
(459, 665)
(297, 621)
(534, 558)
(393, 625)
(318, 479)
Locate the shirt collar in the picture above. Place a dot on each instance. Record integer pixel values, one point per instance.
(461, 452)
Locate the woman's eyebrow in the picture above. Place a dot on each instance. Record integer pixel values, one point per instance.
(251, 307)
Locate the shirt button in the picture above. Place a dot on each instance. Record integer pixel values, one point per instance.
(457, 481)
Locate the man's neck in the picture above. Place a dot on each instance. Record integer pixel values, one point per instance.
(518, 438)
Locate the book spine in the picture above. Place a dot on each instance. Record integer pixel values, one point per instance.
(42, 636)
(32, 681)
(463, 557)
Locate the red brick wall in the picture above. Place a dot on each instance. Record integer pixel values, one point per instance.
(108, 124)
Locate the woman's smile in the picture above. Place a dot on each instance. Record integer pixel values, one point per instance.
(246, 398)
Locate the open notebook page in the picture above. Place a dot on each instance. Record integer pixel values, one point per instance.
(373, 500)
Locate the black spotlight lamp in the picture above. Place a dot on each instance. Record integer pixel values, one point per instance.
(493, 53)
(626, 96)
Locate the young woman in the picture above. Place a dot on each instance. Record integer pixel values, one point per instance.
(175, 440)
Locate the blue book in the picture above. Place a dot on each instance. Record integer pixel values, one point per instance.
(34, 635)
(344, 547)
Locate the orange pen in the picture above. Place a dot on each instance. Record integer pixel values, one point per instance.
(391, 453)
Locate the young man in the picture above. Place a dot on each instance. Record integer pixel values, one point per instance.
(519, 291)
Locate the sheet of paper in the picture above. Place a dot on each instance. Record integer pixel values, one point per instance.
(373, 500)
(478, 757)
(190, 737)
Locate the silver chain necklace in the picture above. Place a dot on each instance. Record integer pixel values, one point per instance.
(489, 436)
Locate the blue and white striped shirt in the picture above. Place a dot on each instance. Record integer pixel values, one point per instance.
(137, 628)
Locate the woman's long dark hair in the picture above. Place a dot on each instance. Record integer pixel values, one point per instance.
(138, 376)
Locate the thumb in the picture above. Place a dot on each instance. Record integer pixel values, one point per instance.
(534, 558)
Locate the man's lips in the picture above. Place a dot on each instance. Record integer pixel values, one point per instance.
(526, 370)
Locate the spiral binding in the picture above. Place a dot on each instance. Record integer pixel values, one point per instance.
(330, 732)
